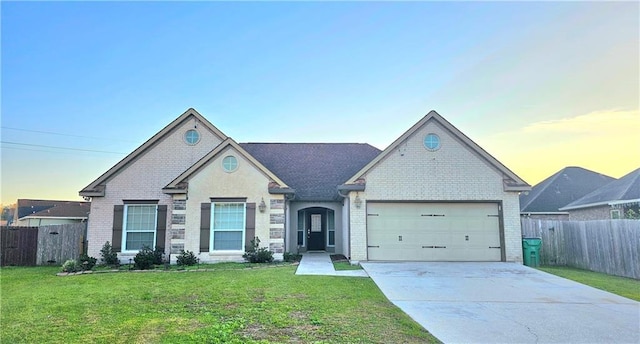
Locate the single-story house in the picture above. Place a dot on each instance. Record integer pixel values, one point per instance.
(432, 195)
(611, 201)
(36, 213)
(563, 187)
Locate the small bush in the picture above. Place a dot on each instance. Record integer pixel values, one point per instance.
(86, 262)
(257, 254)
(158, 253)
(71, 265)
(145, 258)
(187, 258)
(109, 257)
(291, 257)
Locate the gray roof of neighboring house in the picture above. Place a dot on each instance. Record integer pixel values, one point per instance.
(314, 170)
(46, 208)
(626, 188)
(560, 189)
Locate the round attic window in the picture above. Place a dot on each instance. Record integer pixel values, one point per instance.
(191, 137)
(432, 142)
(230, 163)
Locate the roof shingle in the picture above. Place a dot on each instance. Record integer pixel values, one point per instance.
(623, 189)
(314, 170)
(563, 187)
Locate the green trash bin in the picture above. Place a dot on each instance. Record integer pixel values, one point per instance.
(531, 251)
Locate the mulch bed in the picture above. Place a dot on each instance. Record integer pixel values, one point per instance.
(336, 258)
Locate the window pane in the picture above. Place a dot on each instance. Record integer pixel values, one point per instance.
(332, 238)
(141, 218)
(227, 240)
(300, 238)
(301, 220)
(331, 221)
(136, 240)
(227, 216)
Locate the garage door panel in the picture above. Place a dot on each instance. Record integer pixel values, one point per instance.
(433, 231)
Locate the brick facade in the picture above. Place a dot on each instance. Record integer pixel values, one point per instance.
(144, 178)
(452, 173)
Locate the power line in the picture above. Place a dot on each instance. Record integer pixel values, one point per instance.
(54, 147)
(68, 135)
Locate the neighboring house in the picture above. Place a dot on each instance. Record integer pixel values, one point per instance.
(611, 201)
(433, 194)
(35, 213)
(565, 186)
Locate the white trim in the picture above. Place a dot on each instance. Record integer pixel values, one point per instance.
(597, 204)
(545, 213)
(53, 217)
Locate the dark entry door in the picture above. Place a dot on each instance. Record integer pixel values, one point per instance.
(316, 230)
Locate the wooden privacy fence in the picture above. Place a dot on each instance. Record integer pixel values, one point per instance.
(608, 246)
(58, 243)
(19, 246)
(26, 246)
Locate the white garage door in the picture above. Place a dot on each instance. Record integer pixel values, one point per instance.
(433, 231)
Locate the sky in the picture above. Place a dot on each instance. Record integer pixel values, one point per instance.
(539, 85)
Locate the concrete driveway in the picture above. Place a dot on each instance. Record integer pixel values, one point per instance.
(505, 303)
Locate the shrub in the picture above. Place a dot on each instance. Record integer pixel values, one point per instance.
(257, 254)
(291, 257)
(187, 258)
(86, 262)
(71, 265)
(109, 257)
(158, 253)
(145, 258)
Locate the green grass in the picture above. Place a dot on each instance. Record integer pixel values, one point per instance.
(626, 287)
(236, 305)
(345, 266)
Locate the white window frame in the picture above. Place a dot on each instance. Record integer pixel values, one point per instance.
(616, 211)
(329, 228)
(125, 231)
(213, 229)
(303, 230)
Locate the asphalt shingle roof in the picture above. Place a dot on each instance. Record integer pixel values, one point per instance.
(314, 170)
(45, 208)
(625, 188)
(560, 189)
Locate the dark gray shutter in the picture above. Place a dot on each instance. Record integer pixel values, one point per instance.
(161, 231)
(250, 230)
(205, 226)
(116, 236)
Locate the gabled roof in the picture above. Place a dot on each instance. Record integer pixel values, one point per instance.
(511, 181)
(560, 189)
(621, 191)
(178, 185)
(96, 188)
(314, 170)
(48, 208)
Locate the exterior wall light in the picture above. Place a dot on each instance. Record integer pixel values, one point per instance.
(262, 206)
(357, 201)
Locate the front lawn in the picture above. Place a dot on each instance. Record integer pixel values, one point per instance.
(223, 306)
(626, 287)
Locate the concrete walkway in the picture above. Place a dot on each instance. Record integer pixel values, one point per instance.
(319, 263)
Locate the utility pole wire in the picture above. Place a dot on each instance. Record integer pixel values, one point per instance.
(54, 147)
(69, 135)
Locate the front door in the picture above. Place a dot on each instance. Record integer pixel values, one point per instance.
(315, 231)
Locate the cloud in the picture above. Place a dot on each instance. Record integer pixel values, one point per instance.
(601, 122)
(604, 141)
